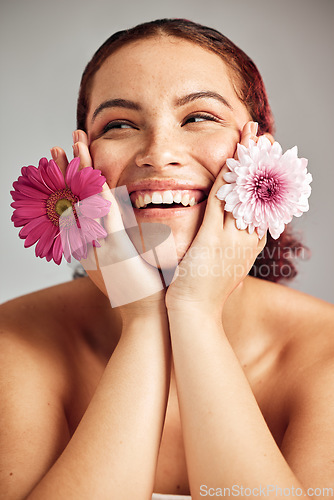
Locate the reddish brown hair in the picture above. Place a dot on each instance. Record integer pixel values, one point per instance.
(276, 262)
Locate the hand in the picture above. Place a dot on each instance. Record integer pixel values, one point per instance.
(116, 267)
(220, 256)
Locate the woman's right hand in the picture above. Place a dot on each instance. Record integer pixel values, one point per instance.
(117, 268)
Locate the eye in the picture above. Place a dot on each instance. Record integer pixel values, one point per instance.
(116, 125)
(199, 117)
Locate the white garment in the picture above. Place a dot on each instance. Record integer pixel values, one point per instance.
(163, 496)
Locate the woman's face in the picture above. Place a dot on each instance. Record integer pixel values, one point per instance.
(163, 119)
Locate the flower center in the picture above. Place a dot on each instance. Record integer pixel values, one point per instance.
(266, 188)
(62, 205)
(58, 203)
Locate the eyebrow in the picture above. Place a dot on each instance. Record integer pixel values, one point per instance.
(116, 103)
(204, 94)
(180, 101)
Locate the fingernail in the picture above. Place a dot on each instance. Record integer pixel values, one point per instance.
(254, 127)
(54, 153)
(75, 149)
(75, 136)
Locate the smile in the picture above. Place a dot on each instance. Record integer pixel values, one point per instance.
(166, 199)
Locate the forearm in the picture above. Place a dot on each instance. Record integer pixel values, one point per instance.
(227, 441)
(114, 450)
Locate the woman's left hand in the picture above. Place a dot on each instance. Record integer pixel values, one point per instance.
(220, 256)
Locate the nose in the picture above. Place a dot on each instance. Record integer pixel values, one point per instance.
(160, 150)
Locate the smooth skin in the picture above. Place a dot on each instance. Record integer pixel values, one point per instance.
(222, 380)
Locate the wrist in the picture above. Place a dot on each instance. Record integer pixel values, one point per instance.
(150, 307)
(149, 334)
(194, 308)
(193, 312)
(190, 325)
(141, 319)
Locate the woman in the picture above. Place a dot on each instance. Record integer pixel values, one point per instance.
(221, 381)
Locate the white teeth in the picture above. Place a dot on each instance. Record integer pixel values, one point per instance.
(167, 197)
(140, 199)
(177, 197)
(156, 198)
(147, 199)
(185, 199)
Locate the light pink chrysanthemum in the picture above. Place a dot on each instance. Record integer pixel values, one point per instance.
(265, 187)
(59, 213)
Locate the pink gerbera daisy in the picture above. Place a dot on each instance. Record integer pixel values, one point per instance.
(265, 187)
(59, 213)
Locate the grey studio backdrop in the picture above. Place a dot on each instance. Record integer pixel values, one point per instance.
(46, 44)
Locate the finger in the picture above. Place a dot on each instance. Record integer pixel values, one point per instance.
(80, 136)
(80, 149)
(248, 133)
(270, 137)
(59, 156)
(112, 222)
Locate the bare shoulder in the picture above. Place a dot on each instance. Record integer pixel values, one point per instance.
(70, 301)
(45, 326)
(291, 310)
(303, 325)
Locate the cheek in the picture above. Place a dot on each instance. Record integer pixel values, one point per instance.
(214, 152)
(108, 161)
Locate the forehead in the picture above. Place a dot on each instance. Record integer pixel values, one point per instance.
(160, 68)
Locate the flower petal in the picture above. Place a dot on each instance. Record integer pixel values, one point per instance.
(55, 175)
(29, 212)
(93, 182)
(35, 226)
(92, 230)
(264, 143)
(276, 150)
(232, 163)
(223, 191)
(230, 176)
(77, 243)
(57, 250)
(267, 188)
(29, 191)
(72, 169)
(46, 241)
(93, 207)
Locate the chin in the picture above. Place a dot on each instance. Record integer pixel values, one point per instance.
(163, 240)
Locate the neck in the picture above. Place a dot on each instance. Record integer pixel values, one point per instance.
(233, 312)
(236, 318)
(239, 319)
